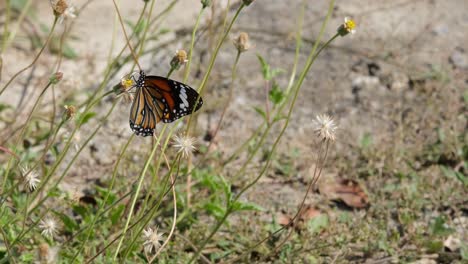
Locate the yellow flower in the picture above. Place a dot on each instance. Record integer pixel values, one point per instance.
(349, 26)
(126, 83)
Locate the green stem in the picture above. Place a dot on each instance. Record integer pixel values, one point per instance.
(192, 43)
(312, 56)
(106, 198)
(135, 197)
(213, 59)
(35, 59)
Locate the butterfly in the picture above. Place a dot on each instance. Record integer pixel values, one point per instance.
(160, 99)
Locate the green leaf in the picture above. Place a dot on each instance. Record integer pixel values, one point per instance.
(261, 112)
(366, 141)
(140, 27)
(449, 172)
(4, 106)
(241, 206)
(440, 228)
(226, 188)
(68, 222)
(27, 257)
(117, 213)
(318, 223)
(69, 52)
(215, 210)
(85, 118)
(80, 210)
(275, 72)
(267, 72)
(434, 246)
(464, 251)
(276, 95)
(265, 67)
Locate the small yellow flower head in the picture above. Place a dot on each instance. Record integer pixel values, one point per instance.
(325, 127)
(127, 83)
(70, 111)
(242, 42)
(349, 26)
(179, 59)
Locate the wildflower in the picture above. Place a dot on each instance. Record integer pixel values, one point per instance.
(70, 111)
(63, 10)
(205, 3)
(242, 42)
(325, 127)
(349, 26)
(56, 77)
(126, 84)
(30, 178)
(179, 59)
(152, 240)
(185, 145)
(247, 2)
(49, 227)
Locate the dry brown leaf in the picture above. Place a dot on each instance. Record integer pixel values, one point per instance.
(307, 213)
(347, 191)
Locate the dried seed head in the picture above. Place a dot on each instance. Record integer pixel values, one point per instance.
(30, 178)
(325, 127)
(70, 111)
(179, 59)
(242, 42)
(59, 6)
(184, 145)
(152, 240)
(49, 227)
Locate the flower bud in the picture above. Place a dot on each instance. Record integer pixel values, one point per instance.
(56, 77)
(179, 59)
(242, 42)
(349, 26)
(70, 111)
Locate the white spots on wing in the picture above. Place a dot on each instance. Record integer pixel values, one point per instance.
(183, 96)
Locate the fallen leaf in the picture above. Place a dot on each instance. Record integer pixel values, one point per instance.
(452, 243)
(307, 213)
(347, 191)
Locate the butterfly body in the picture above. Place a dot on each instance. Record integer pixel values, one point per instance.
(160, 99)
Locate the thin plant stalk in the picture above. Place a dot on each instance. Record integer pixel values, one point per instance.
(174, 220)
(192, 43)
(35, 58)
(106, 198)
(135, 197)
(229, 99)
(213, 59)
(312, 56)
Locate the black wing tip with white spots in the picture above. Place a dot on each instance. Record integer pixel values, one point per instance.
(140, 131)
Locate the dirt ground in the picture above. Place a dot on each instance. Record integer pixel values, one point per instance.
(397, 82)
